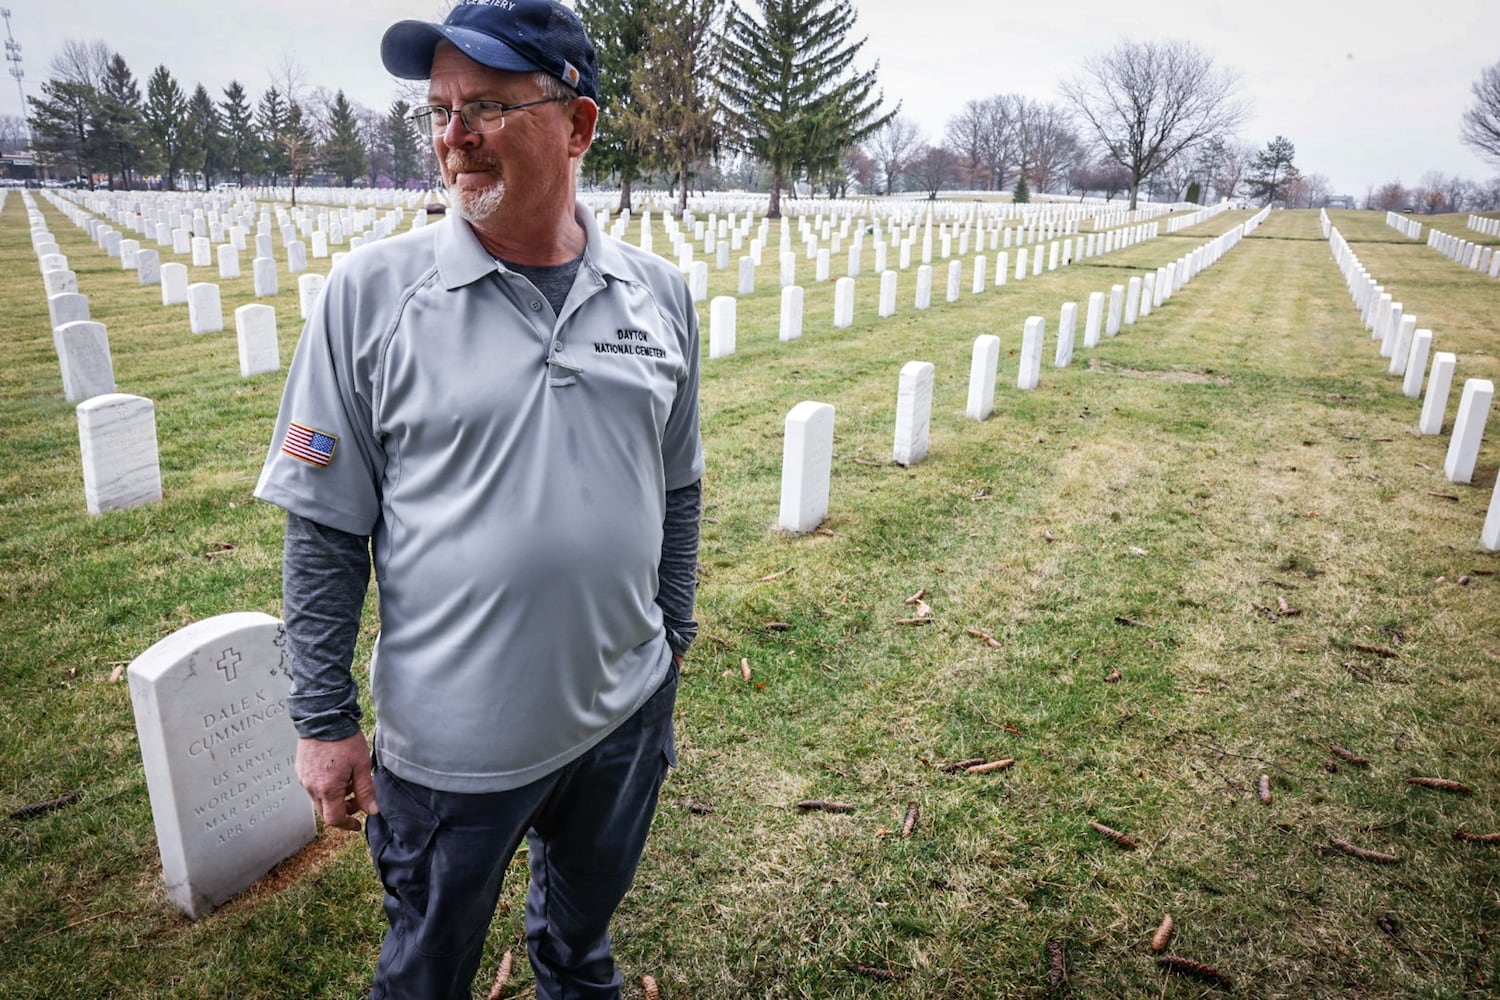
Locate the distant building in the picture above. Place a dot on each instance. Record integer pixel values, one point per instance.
(1341, 201)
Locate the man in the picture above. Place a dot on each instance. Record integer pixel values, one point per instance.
(501, 410)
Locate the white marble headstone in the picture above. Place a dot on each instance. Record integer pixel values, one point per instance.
(1416, 363)
(1435, 399)
(205, 310)
(983, 364)
(174, 284)
(264, 270)
(721, 326)
(219, 751)
(791, 313)
(1031, 353)
(83, 355)
(1066, 321)
(1468, 429)
(924, 286)
(229, 261)
(309, 287)
(914, 411)
(255, 332)
(117, 439)
(148, 267)
(1091, 321)
(806, 466)
(67, 307)
(843, 302)
(59, 282)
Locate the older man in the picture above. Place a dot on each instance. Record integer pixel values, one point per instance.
(501, 410)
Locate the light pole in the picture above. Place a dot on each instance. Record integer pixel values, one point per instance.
(13, 55)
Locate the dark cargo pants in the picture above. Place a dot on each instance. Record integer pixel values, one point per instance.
(442, 855)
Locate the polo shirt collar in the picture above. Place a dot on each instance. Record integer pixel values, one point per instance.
(463, 260)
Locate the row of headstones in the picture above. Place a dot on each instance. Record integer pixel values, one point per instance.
(1408, 348)
(1177, 222)
(1467, 253)
(1489, 227)
(117, 431)
(807, 447)
(1410, 228)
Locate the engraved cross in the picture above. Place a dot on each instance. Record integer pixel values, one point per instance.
(229, 664)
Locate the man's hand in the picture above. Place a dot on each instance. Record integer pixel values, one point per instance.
(333, 771)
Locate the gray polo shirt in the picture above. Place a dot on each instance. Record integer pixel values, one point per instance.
(511, 466)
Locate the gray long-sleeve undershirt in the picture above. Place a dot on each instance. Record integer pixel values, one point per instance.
(326, 572)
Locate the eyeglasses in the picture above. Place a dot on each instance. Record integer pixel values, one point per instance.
(477, 116)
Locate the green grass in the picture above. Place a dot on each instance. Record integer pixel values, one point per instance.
(1241, 444)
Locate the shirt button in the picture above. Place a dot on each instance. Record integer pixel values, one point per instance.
(536, 306)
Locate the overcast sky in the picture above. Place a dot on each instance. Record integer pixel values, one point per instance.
(1369, 91)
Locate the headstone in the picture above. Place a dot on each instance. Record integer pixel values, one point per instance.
(67, 307)
(174, 284)
(1416, 364)
(1468, 429)
(924, 286)
(806, 466)
(60, 283)
(1401, 345)
(980, 265)
(791, 313)
(747, 276)
(887, 293)
(255, 332)
(263, 246)
(1116, 302)
(229, 262)
(148, 267)
(319, 244)
(1002, 267)
(117, 438)
(296, 257)
(128, 250)
(1021, 264)
(982, 372)
(309, 286)
(1091, 323)
(83, 355)
(264, 270)
(1031, 353)
(1392, 327)
(1148, 292)
(1132, 300)
(202, 252)
(698, 280)
(1439, 384)
(721, 325)
(205, 311)
(788, 269)
(1065, 323)
(955, 279)
(913, 412)
(1489, 535)
(219, 753)
(843, 302)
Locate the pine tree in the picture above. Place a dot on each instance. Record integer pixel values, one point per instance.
(165, 117)
(620, 31)
(675, 117)
(207, 128)
(343, 151)
(792, 97)
(1272, 170)
(1022, 194)
(401, 137)
(271, 118)
(241, 145)
(119, 134)
(61, 123)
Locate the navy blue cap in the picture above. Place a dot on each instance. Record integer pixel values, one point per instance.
(522, 36)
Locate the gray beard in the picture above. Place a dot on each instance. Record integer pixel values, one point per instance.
(476, 206)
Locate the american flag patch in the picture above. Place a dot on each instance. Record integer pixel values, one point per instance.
(312, 447)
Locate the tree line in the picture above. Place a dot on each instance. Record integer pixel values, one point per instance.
(760, 94)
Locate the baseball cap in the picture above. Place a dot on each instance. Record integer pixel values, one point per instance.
(521, 36)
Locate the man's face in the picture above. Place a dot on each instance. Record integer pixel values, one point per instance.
(515, 166)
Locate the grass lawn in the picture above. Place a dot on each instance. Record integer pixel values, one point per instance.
(1212, 554)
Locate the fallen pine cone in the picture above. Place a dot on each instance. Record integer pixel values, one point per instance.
(985, 638)
(39, 808)
(962, 765)
(1057, 966)
(994, 765)
(1163, 933)
(1364, 853)
(649, 989)
(1124, 840)
(1477, 838)
(1122, 620)
(1381, 651)
(1442, 785)
(874, 972)
(910, 823)
(776, 576)
(502, 976)
(824, 805)
(1263, 788)
(1196, 970)
(925, 620)
(1344, 753)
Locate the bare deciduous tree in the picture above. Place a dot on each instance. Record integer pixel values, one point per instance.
(1149, 102)
(1481, 127)
(892, 147)
(983, 136)
(1048, 143)
(933, 168)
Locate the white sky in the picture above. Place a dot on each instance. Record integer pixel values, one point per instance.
(1368, 90)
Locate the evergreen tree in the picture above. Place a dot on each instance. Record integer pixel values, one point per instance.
(1272, 171)
(165, 115)
(343, 151)
(210, 152)
(300, 147)
(619, 30)
(401, 138)
(119, 135)
(241, 145)
(1022, 194)
(271, 118)
(61, 123)
(792, 97)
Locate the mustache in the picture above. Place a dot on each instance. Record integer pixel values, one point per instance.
(458, 162)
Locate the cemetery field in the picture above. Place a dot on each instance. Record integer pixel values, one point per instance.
(1207, 587)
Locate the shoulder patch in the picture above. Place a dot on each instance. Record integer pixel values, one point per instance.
(311, 446)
